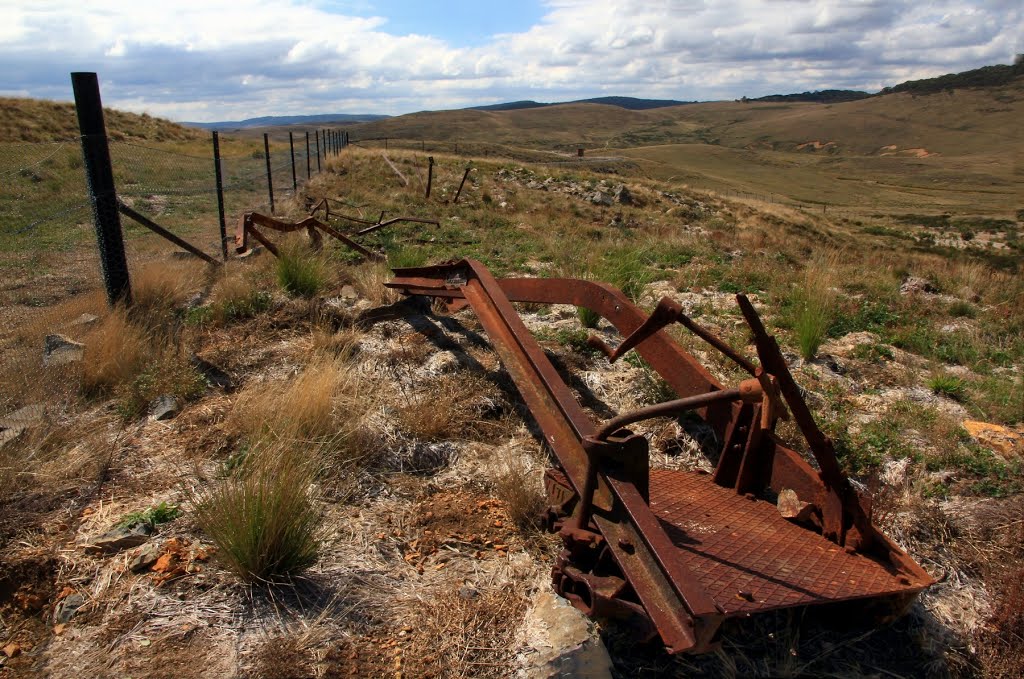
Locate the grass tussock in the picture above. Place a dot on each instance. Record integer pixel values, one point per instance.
(813, 304)
(263, 518)
(325, 400)
(300, 272)
(115, 352)
(517, 485)
(160, 289)
(368, 279)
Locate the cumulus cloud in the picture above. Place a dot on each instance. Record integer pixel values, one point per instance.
(216, 59)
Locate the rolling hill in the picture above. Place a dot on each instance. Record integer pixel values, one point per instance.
(276, 121)
(35, 120)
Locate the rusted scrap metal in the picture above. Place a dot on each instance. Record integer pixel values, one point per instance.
(674, 553)
(323, 204)
(250, 220)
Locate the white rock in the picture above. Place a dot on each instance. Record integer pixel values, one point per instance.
(560, 641)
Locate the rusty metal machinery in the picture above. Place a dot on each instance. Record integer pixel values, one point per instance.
(313, 226)
(675, 553)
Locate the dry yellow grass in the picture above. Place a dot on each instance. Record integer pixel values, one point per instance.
(368, 279)
(114, 353)
(326, 400)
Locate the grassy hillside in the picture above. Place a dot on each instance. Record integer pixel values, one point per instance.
(35, 120)
(894, 153)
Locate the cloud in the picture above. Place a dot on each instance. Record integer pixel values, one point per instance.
(217, 59)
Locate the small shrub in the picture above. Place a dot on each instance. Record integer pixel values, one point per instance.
(962, 309)
(520, 490)
(300, 273)
(152, 517)
(263, 518)
(170, 374)
(875, 353)
(950, 386)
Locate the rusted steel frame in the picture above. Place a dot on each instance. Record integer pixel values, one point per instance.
(161, 231)
(248, 222)
(682, 611)
(671, 362)
(381, 225)
(678, 368)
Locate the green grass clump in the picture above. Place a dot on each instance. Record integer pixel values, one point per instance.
(152, 517)
(950, 386)
(263, 518)
(876, 353)
(588, 318)
(300, 274)
(813, 315)
(170, 374)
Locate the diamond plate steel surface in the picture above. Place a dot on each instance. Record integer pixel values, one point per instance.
(750, 558)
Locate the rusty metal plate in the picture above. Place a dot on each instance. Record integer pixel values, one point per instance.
(751, 559)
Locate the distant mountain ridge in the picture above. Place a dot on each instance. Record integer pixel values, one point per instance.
(272, 121)
(629, 103)
(821, 97)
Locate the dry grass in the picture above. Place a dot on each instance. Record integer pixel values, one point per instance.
(368, 279)
(23, 380)
(518, 484)
(160, 287)
(115, 353)
(456, 636)
(326, 399)
(448, 407)
(55, 458)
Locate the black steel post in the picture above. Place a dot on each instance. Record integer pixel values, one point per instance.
(220, 196)
(430, 174)
(291, 146)
(309, 172)
(270, 180)
(100, 177)
(317, 132)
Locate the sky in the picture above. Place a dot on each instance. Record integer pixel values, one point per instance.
(211, 60)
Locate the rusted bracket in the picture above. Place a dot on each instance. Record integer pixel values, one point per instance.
(669, 311)
(248, 222)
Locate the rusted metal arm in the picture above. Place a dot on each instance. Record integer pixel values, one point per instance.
(381, 225)
(675, 407)
(669, 311)
(248, 222)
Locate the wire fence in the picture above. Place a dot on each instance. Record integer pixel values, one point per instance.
(50, 269)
